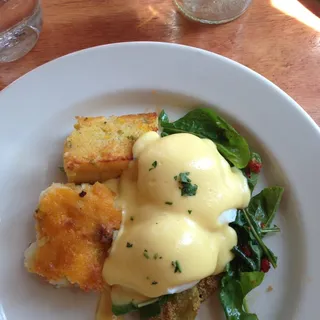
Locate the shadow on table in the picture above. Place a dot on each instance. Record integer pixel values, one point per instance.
(150, 23)
(119, 21)
(113, 22)
(134, 24)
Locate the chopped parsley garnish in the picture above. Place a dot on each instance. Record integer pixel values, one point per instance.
(154, 282)
(177, 267)
(129, 245)
(82, 194)
(183, 177)
(175, 177)
(154, 165)
(131, 218)
(146, 254)
(185, 185)
(169, 203)
(189, 211)
(155, 256)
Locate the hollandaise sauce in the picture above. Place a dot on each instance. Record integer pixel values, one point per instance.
(171, 197)
(104, 310)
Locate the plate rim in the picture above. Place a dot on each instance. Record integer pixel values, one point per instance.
(169, 44)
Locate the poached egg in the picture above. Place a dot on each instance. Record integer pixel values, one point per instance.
(177, 197)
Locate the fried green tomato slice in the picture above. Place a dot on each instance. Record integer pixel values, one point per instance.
(185, 305)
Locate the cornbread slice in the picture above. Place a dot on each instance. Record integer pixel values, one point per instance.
(74, 225)
(100, 148)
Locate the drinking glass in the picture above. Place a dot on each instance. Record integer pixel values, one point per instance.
(20, 26)
(212, 11)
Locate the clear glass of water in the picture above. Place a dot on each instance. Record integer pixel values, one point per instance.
(20, 26)
(212, 11)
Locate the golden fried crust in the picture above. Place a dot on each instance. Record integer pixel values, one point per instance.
(207, 287)
(74, 233)
(101, 148)
(185, 305)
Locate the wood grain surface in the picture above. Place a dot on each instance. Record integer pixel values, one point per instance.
(271, 42)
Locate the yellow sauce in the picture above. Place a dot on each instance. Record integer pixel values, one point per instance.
(104, 309)
(160, 226)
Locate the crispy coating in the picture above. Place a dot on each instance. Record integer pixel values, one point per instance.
(101, 148)
(182, 306)
(208, 286)
(185, 305)
(74, 227)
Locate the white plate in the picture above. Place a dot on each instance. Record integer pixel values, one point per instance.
(37, 112)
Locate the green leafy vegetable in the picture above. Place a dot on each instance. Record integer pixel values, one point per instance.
(150, 311)
(264, 206)
(147, 309)
(250, 172)
(154, 309)
(248, 254)
(120, 310)
(250, 280)
(244, 272)
(163, 118)
(274, 229)
(250, 225)
(233, 292)
(241, 256)
(254, 230)
(205, 123)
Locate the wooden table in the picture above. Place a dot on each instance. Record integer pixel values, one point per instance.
(278, 46)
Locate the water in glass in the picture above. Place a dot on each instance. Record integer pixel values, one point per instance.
(20, 26)
(212, 11)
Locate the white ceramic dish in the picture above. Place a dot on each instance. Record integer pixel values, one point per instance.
(38, 112)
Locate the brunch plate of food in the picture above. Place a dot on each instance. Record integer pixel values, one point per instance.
(156, 181)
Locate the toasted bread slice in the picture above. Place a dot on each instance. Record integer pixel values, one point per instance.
(74, 227)
(101, 148)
